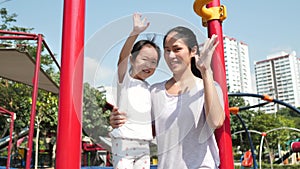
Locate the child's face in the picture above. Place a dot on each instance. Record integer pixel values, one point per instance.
(145, 63)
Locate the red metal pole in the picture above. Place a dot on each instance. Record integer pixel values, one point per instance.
(34, 98)
(68, 154)
(51, 54)
(18, 37)
(17, 33)
(223, 134)
(11, 128)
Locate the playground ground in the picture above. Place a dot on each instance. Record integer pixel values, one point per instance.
(90, 167)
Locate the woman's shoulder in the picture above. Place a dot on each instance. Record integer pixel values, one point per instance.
(199, 83)
(158, 86)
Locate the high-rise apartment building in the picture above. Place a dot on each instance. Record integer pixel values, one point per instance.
(237, 65)
(279, 76)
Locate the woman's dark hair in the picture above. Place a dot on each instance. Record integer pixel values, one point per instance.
(140, 44)
(189, 38)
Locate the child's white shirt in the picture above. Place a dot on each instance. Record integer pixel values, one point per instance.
(133, 97)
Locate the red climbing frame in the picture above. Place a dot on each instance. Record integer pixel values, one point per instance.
(68, 154)
(11, 128)
(223, 134)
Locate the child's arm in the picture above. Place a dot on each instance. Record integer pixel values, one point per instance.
(139, 25)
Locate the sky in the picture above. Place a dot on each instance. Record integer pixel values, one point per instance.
(267, 27)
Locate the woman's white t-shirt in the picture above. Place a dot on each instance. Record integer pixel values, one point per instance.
(184, 138)
(133, 97)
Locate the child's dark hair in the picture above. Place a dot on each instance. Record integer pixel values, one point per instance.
(189, 38)
(141, 43)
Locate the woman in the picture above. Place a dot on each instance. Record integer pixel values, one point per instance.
(186, 109)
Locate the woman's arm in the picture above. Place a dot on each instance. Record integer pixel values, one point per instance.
(213, 107)
(139, 25)
(117, 119)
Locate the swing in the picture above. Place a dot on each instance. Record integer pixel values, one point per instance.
(247, 160)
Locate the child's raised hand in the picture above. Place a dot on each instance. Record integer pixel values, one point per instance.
(139, 24)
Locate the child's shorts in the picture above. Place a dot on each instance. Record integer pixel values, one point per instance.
(130, 153)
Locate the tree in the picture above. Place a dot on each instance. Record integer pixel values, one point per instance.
(290, 114)
(7, 21)
(95, 117)
(15, 97)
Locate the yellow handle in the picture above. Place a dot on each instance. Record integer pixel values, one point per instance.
(201, 10)
(209, 13)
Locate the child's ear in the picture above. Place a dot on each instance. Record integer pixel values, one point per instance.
(130, 59)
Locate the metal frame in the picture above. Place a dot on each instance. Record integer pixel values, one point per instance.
(11, 35)
(213, 14)
(11, 129)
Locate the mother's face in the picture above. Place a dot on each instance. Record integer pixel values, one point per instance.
(176, 53)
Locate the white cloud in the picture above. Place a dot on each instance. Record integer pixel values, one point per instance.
(97, 74)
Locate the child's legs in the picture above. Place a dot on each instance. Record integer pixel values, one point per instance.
(128, 153)
(142, 163)
(122, 163)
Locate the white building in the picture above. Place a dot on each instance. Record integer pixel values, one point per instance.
(279, 76)
(237, 66)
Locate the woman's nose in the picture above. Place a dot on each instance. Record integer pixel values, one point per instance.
(172, 54)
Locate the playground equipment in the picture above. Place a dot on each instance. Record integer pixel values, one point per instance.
(213, 14)
(11, 127)
(71, 86)
(268, 99)
(247, 159)
(249, 137)
(295, 148)
(70, 100)
(265, 97)
(5, 141)
(263, 139)
(18, 66)
(95, 154)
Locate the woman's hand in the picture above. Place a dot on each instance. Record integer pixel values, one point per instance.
(139, 24)
(203, 61)
(117, 119)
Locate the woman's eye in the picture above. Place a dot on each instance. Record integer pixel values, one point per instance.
(177, 49)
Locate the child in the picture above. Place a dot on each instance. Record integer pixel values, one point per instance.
(130, 143)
